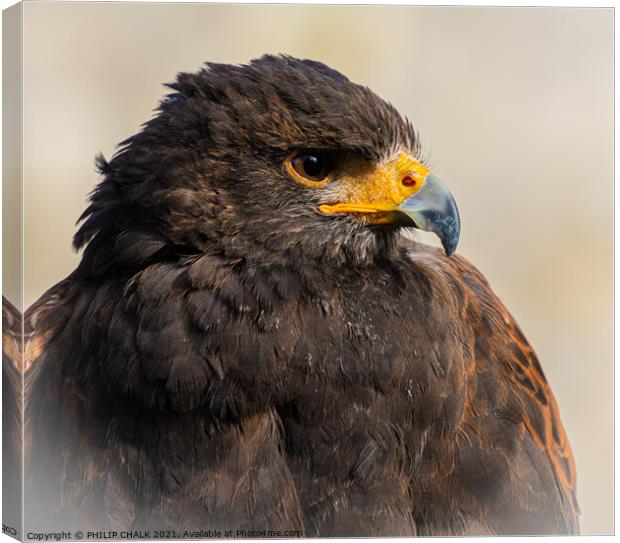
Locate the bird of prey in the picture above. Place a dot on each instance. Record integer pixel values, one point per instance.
(254, 342)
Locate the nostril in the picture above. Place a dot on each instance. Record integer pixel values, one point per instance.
(408, 181)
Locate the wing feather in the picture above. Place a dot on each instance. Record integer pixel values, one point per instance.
(514, 472)
(503, 352)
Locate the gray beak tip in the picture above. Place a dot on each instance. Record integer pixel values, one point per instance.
(449, 233)
(433, 209)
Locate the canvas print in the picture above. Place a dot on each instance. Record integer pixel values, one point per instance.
(276, 320)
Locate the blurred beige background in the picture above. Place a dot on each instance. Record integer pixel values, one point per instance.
(514, 106)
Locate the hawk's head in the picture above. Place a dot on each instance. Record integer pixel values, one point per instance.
(280, 157)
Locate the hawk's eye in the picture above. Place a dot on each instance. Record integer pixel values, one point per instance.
(310, 167)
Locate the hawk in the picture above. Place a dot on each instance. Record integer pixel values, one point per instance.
(254, 342)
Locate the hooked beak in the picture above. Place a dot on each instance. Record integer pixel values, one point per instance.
(433, 209)
(387, 193)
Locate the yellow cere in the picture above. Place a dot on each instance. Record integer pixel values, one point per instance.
(379, 188)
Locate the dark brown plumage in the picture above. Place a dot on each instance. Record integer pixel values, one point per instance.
(12, 427)
(228, 356)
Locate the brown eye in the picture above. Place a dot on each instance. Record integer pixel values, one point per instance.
(310, 167)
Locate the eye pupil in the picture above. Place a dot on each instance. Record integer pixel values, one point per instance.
(312, 165)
